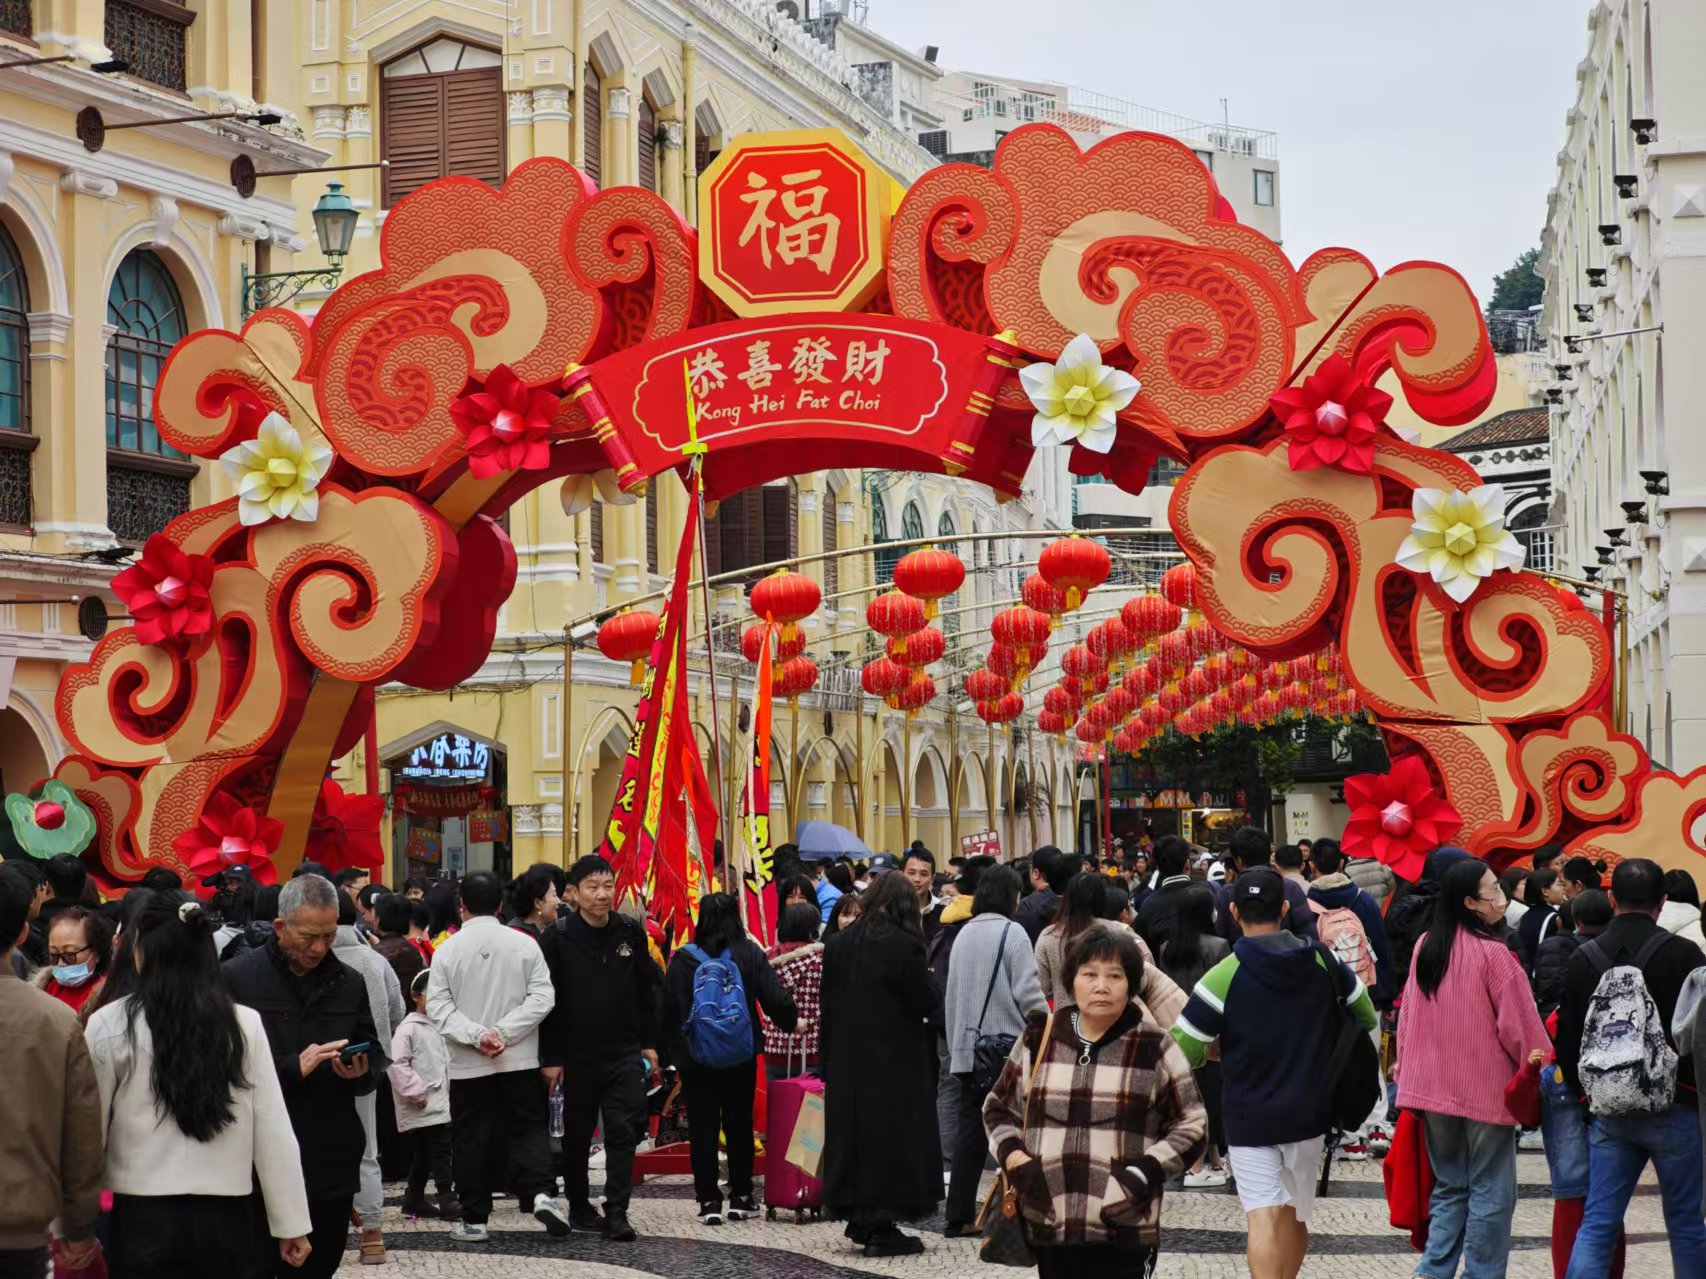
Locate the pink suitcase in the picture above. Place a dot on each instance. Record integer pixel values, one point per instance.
(785, 1186)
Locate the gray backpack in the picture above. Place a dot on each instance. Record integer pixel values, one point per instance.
(1627, 1067)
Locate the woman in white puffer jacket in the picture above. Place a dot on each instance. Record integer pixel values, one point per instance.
(1681, 912)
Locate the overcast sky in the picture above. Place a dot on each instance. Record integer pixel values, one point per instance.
(1405, 130)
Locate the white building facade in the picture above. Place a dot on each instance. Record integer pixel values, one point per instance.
(1624, 258)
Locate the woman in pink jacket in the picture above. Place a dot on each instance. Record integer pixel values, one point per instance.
(1468, 1024)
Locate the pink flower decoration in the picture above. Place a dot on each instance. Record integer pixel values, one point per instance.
(506, 425)
(166, 592)
(228, 835)
(345, 830)
(1332, 419)
(1396, 818)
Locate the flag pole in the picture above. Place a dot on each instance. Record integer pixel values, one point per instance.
(695, 449)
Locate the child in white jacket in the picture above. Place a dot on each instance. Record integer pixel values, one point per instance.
(420, 1081)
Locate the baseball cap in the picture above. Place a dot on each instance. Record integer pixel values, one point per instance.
(1260, 884)
(230, 872)
(885, 861)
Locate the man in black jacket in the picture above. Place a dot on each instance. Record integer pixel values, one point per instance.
(312, 1007)
(1051, 871)
(1158, 917)
(1250, 847)
(592, 1042)
(1621, 1145)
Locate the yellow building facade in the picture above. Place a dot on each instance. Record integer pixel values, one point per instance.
(107, 257)
(646, 92)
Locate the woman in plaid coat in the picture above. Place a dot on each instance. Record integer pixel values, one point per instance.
(1091, 1115)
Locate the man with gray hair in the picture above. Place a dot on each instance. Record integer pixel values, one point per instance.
(315, 1011)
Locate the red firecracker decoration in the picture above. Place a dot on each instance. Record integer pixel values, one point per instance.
(984, 685)
(785, 598)
(1074, 566)
(929, 574)
(1333, 419)
(922, 648)
(1037, 593)
(896, 615)
(884, 678)
(165, 592)
(228, 835)
(345, 830)
(1396, 818)
(627, 637)
(506, 425)
(795, 676)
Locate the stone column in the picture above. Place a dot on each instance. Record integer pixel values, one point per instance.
(551, 120)
(669, 165)
(520, 136)
(619, 141)
(74, 458)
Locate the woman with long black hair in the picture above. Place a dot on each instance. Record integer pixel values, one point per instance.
(192, 1111)
(719, 1092)
(1469, 1024)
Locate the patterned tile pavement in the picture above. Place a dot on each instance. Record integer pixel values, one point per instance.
(1202, 1238)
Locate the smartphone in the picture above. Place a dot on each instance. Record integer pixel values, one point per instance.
(349, 1052)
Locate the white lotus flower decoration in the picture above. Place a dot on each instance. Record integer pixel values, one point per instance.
(277, 474)
(1459, 538)
(579, 491)
(1076, 397)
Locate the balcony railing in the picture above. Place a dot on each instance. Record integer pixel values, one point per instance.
(16, 510)
(16, 18)
(145, 494)
(151, 36)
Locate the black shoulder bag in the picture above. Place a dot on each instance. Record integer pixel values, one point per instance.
(1353, 1062)
(990, 1052)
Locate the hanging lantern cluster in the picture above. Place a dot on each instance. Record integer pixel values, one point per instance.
(785, 598)
(627, 637)
(896, 615)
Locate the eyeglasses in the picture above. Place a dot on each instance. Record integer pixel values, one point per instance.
(1497, 899)
(67, 956)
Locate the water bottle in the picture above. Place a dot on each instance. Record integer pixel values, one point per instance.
(557, 1110)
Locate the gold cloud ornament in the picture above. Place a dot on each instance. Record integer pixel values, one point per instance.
(1459, 537)
(1077, 397)
(277, 474)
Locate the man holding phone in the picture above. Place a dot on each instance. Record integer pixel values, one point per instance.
(317, 1020)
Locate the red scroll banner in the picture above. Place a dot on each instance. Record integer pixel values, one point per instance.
(860, 390)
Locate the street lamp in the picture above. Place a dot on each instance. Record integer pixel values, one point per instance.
(335, 217)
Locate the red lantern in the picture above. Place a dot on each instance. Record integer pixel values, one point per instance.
(1119, 702)
(1110, 640)
(1059, 699)
(1202, 638)
(1052, 722)
(1172, 699)
(1075, 566)
(1080, 664)
(1218, 668)
(1046, 599)
(917, 694)
(1146, 616)
(1196, 684)
(1087, 732)
(1024, 630)
(1267, 707)
(1220, 706)
(1179, 585)
(1003, 710)
(1140, 683)
(752, 640)
(1005, 661)
(1099, 681)
(984, 685)
(884, 678)
(920, 648)
(895, 615)
(1175, 652)
(1126, 740)
(929, 574)
(793, 677)
(785, 598)
(628, 637)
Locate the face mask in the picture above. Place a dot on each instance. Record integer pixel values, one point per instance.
(73, 974)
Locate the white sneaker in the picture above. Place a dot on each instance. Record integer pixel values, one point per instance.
(1531, 1140)
(595, 1159)
(468, 1232)
(553, 1214)
(1207, 1179)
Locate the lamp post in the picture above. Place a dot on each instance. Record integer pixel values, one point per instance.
(335, 218)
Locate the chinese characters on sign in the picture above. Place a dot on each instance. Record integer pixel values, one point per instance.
(450, 756)
(796, 224)
(985, 843)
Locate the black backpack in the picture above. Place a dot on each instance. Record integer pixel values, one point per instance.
(1353, 1062)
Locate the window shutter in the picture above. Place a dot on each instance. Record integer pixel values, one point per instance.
(592, 122)
(651, 532)
(831, 568)
(778, 522)
(648, 147)
(752, 502)
(474, 125)
(411, 126)
(713, 547)
(702, 153)
(596, 516)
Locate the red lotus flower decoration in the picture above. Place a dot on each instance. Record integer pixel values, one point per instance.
(1332, 419)
(166, 593)
(1396, 817)
(345, 830)
(506, 425)
(228, 835)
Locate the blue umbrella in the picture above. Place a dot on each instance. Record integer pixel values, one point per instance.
(823, 840)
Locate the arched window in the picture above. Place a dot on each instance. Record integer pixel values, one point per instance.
(15, 508)
(831, 542)
(911, 523)
(441, 113)
(1527, 528)
(882, 561)
(148, 481)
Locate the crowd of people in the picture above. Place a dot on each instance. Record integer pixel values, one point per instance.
(219, 1082)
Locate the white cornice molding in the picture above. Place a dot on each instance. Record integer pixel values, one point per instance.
(83, 182)
(48, 327)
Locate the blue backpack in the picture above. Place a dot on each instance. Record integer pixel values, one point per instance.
(719, 1024)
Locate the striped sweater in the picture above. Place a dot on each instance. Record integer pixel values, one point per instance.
(1134, 1097)
(1273, 1005)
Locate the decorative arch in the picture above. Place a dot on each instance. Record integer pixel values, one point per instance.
(399, 575)
(32, 233)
